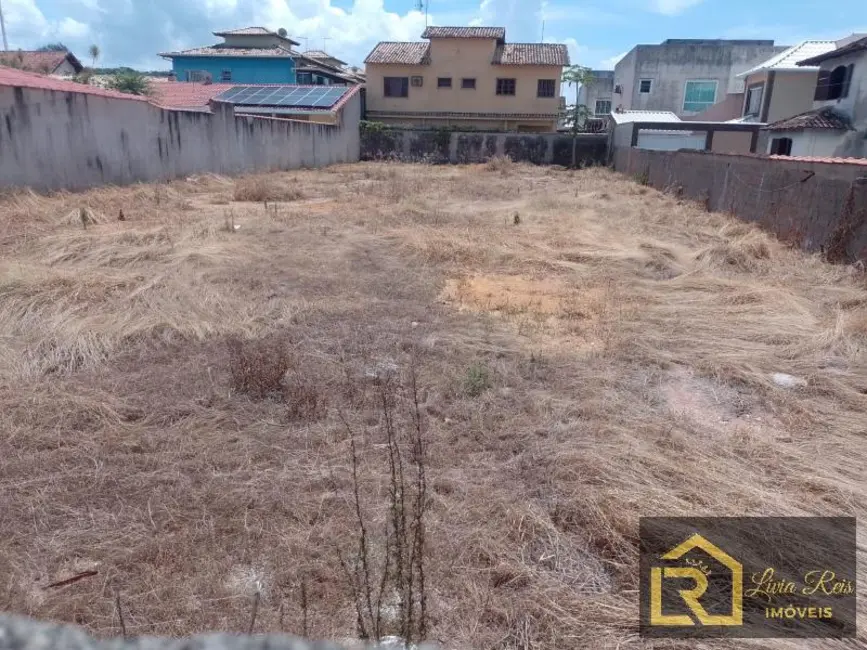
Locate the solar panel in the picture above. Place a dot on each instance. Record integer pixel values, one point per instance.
(284, 96)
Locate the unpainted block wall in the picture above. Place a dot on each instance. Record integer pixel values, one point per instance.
(61, 140)
(443, 146)
(819, 206)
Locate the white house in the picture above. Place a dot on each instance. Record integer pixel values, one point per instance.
(837, 123)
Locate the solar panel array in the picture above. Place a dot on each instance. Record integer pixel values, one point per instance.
(321, 97)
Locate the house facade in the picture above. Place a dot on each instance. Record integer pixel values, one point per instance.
(58, 63)
(779, 88)
(598, 95)
(836, 125)
(685, 76)
(469, 77)
(251, 55)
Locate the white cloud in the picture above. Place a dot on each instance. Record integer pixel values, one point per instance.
(69, 28)
(610, 62)
(673, 7)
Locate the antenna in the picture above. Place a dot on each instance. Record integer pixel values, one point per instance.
(422, 5)
(542, 40)
(305, 39)
(325, 40)
(3, 29)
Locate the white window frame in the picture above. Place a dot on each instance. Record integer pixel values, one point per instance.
(760, 88)
(686, 83)
(610, 105)
(649, 90)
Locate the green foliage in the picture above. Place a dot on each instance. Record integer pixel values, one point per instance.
(477, 380)
(94, 53)
(53, 47)
(83, 77)
(132, 83)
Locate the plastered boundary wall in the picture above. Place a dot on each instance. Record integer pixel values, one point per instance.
(18, 633)
(52, 139)
(819, 205)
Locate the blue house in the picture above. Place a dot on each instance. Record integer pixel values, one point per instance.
(251, 55)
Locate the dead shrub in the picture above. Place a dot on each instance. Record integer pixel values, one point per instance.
(260, 189)
(304, 400)
(500, 163)
(257, 367)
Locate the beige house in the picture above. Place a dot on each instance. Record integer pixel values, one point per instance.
(779, 88)
(469, 77)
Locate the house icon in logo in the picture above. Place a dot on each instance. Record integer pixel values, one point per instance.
(691, 596)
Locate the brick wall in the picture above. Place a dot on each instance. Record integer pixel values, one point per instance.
(818, 204)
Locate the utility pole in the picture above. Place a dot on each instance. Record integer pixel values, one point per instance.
(3, 29)
(543, 32)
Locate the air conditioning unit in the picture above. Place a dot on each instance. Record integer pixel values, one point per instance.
(417, 81)
(618, 89)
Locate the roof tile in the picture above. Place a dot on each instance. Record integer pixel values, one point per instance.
(821, 118)
(856, 46)
(223, 51)
(531, 54)
(41, 62)
(19, 78)
(400, 53)
(254, 31)
(788, 59)
(498, 33)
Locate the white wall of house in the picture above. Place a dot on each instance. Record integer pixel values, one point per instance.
(72, 140)
(65, 69)
(811, 142)
(670, 141)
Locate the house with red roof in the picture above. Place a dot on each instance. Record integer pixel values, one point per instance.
(59, 63)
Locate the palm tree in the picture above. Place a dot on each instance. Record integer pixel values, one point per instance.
(94, 52)
(580, 77)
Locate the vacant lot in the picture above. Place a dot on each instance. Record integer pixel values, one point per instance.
(178, 388)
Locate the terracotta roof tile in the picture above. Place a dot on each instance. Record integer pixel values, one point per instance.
(19, 78)
(41, 62)
(856, 46)
(498, 33)
(531, 54)
(821, 118)
(403, 53)
(254, 31)
(223, 50)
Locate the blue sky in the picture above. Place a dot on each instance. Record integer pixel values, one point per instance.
(131, 32)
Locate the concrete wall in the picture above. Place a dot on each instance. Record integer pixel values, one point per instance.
(855, 103)
(818, 206)
(54, 139)
(18, 633)
(671, 64)
(792, 94)
(244, 69)
(602, 89)
(460, 58)
(442, 146)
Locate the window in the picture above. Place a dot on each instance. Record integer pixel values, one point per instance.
(699, 96)
(226, 75)
(834, 84)
(396, 86)
(444, 82)
(603, 107)
(781, 147)
(753, 104)
(197, 75)
(305, 78)
(505, 86)
(468, 84)
(645, 85)
(417, 81)
(546, 88)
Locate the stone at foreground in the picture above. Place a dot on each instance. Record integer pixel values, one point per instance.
(18, 633)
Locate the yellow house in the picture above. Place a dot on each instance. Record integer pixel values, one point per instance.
(466, 76)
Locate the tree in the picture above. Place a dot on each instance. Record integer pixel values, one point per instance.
(580, 77)
(54, 47)
(94, 52)
(133, 83)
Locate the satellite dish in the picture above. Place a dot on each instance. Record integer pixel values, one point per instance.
(282, 32)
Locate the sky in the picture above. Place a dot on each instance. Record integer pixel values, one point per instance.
(598, 32)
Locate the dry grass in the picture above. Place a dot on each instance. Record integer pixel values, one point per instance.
(173, 394)
(265, 188)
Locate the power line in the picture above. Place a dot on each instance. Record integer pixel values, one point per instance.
(3, 29)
